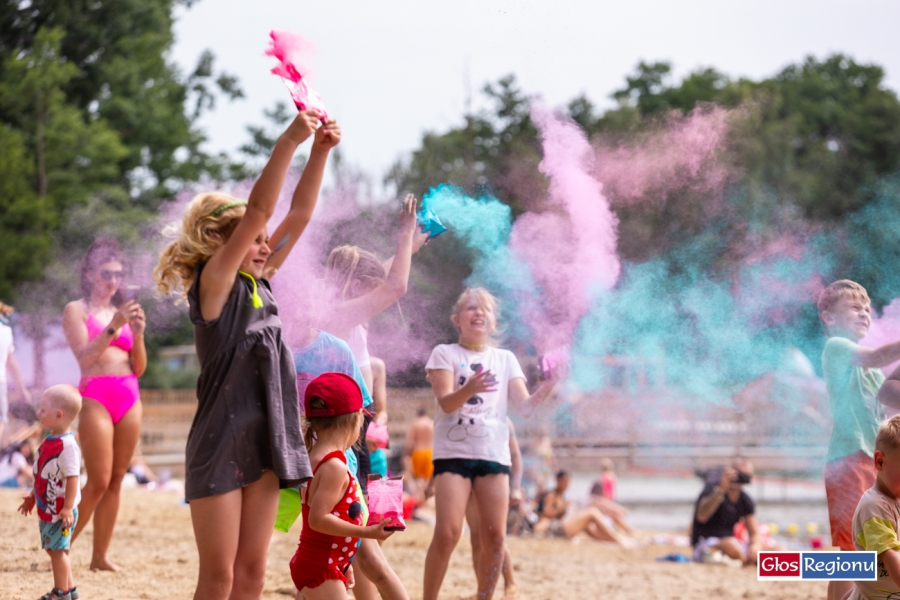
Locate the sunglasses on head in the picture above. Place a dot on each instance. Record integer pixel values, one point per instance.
(106, 275)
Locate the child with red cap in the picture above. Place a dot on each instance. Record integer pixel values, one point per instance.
(332, 511)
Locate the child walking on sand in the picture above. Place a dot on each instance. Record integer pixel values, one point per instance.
(853, 378)
(877, 518)
(245, 442)
(332, 510)
(56, 487)
(473, 382)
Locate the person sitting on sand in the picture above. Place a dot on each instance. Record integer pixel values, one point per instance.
(15, 465)
(602, 501)
(553, 509)
(720, 506)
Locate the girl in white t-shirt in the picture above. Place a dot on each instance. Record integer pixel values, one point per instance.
(473, 381)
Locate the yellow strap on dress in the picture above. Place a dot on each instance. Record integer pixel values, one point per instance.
(257, 301)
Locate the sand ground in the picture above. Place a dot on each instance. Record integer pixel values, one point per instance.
(155, 544)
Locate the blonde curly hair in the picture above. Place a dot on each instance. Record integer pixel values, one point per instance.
(195, 242)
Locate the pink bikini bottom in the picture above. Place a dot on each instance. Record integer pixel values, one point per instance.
(117, 393)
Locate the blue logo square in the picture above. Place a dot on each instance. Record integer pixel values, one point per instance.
(839, 566)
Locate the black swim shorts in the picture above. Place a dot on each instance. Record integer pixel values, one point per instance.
(470, 468)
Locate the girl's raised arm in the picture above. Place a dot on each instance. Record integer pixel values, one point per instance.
(217, 278)
(359, 310)
(305, 196)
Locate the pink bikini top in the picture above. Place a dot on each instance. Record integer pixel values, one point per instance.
(125, 339)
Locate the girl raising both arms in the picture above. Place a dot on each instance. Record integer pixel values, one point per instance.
(245, 442)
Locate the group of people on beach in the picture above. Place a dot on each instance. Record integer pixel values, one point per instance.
(278, 408)
(862, 472)
(286, 408)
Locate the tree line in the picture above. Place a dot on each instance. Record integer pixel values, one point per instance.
(98, 129)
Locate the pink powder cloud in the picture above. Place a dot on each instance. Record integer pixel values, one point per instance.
(570, 249)
(685, 152)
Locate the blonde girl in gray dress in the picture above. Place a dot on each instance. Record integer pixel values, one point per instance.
(245, 442)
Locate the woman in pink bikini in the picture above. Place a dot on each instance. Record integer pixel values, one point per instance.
(106, 333)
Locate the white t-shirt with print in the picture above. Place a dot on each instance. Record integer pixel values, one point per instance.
(478, 429)
(57, 459)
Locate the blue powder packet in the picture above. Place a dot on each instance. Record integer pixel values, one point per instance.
(429, 223)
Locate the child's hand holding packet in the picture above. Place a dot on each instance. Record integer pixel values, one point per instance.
(386, 501)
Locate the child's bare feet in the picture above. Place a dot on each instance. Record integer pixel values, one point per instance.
(104, 564)
(511, 592)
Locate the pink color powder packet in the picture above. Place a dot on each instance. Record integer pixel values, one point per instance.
(290, 49)
(557, 360)
(386, 501)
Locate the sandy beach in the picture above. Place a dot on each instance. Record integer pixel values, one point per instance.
(155, 545)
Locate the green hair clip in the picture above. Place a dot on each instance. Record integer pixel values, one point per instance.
(225, 207)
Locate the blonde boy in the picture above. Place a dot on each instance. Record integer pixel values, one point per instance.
(877, 517)
(56, 487)
(853, 378)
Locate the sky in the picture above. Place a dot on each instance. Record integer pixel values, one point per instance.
(389, 71)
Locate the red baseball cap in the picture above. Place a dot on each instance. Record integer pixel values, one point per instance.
(340, 393)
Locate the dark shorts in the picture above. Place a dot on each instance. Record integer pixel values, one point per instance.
(470, 468)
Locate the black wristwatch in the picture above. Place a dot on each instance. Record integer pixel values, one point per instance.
(111, 330)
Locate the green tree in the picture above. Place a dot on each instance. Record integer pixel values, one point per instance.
(118, 50)
(53, 157)
(819, 134)
(848, 131)
(24, 217)
(496, 150)
(100, 128)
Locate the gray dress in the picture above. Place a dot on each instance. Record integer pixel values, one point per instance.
(247, 417)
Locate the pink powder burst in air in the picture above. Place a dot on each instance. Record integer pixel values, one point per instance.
(571, 250)
(682, 153)
(292, 50)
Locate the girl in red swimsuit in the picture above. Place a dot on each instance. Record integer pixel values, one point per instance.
(333, 518)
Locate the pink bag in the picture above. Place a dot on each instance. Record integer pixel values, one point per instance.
(386, 501)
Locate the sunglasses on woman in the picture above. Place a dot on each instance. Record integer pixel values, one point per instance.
(107, 275)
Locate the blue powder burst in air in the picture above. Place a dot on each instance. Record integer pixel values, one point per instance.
(484, 225)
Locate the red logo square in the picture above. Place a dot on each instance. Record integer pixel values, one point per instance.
(779, 564)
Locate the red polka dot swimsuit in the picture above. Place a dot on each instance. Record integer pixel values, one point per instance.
(321, 557)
